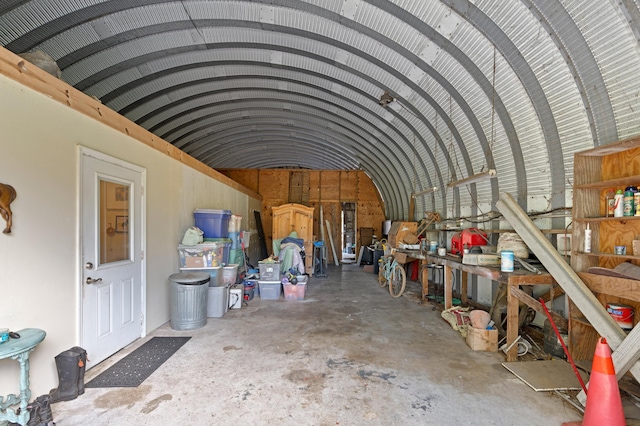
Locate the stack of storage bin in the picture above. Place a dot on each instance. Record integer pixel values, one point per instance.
(269, 283)
(210, 257)
(215, 226)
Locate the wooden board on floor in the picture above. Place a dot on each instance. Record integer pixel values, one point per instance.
(546, 375)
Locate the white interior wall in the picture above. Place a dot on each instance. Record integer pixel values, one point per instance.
(38, 260)
(484, 291)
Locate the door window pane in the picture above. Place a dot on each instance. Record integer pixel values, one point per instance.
(114, 211)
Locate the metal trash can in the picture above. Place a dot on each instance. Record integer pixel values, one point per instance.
(189, 300)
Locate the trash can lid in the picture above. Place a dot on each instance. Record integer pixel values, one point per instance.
(190, 278)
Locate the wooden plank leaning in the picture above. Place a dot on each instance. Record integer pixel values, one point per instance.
(333, 247)
(626, 349)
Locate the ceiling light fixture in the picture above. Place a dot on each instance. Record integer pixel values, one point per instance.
(385, 99)
(426, 191)
(489, 174)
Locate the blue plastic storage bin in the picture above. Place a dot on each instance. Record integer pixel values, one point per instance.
(235, 240)
(214, 223)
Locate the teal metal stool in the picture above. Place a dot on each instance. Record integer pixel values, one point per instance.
(19, 349)
(319, 256)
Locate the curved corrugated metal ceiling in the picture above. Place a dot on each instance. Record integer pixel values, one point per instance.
(517, 86)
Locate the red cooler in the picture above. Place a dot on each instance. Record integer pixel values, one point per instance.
(471, 237)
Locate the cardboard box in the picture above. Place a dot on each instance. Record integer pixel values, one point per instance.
(366, 236)
(368, 268)
(410, 238)
(194, 262)
(481, 259)
(480, 339)
(399, 230)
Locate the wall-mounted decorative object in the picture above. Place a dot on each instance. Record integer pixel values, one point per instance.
(7, 195)
(122, 224)
(117, 196)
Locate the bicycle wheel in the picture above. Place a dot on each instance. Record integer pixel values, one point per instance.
(381, 274)
(397, 281)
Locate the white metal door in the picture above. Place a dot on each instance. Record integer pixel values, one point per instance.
(112, 278)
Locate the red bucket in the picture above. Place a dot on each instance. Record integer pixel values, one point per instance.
(622, 314)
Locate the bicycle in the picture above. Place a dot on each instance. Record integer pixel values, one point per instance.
(392, 272)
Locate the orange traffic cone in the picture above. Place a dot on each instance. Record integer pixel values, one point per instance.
(604, 405)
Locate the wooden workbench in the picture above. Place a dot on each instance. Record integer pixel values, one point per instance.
(512, 279)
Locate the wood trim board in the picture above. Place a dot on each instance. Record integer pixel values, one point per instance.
(20, 70)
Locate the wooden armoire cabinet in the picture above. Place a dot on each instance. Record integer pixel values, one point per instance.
(299, 218)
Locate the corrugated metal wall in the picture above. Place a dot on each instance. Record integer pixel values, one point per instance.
(518, 86)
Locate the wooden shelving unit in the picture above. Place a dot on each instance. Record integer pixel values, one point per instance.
(596, 172)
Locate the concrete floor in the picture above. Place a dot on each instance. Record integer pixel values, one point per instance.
(349, 354)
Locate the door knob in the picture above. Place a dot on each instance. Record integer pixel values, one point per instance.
(90, 280)
(88, 265)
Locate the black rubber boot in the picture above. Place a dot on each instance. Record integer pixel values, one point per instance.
(34, 414)
(83, 367)
(44, 412)
(68, 365)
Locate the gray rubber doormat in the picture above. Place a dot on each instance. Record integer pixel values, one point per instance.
(133, 369)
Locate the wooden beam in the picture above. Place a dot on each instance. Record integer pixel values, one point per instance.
(537, 306)
(554, 292)
(512, 326)
(448, 286)
(412, 207)
(621, 287)
(464, 287)
(624, 354)
(544, 231)
(27, 74)
(322, 226)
